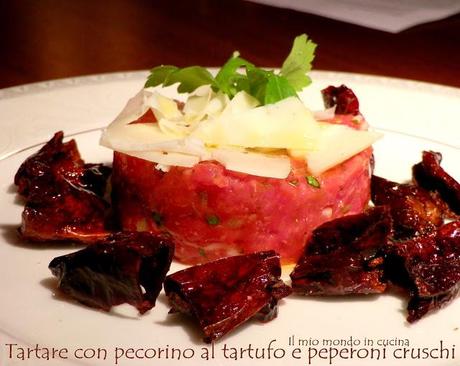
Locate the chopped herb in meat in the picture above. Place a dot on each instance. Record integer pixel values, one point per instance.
(311, 180)
(212, 220)
(158, 218)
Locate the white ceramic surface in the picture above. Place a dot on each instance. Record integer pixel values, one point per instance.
(414, 116)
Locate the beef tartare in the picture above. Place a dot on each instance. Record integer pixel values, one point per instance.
(213, 212)
(242, 165)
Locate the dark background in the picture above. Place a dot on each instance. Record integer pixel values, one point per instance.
(49, 39)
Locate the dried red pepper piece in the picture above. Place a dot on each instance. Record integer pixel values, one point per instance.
(413, 209)
(345, 256)
(450, 231)
(55, 161)
(126, 267)
(428, 267)
(430, 175)
(64, 196)
(225, 293)
(342, 97)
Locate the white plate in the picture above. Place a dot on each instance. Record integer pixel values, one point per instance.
(414, 116)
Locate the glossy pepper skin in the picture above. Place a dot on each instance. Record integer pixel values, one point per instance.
(345, 256)
(428, 267)
(414, 211)
(342, 97)
(64, 196)
(126, 267)
(224, 293)
(430, 175)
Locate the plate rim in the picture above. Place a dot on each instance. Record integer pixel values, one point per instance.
(91, 79)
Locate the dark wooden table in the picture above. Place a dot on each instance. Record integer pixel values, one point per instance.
(48, 39)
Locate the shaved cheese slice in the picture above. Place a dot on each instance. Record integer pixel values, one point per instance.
(263, 165)
(135, 137)
(166, 159)
(286, 124)
(164, 108)
(173, 128)
(212, 127)
(195, 106)
(336, 143)
(135, 108)
(217, 104)
(325, 114)
(240, 103)
(148, 137)
(187, 146)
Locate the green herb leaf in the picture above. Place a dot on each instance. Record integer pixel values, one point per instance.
(238, 74)
(257, 81)
(212, 220)
(159, 75)
(202, 252)
(229, 80)
(157, 218)
(189, 78)
(278, 88)
(298, 62)
(311, 180)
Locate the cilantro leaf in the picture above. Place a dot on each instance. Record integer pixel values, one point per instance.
(159, 75)
(268, 87)
(212, 220)
(278, 88)
(189, 78)
(228, 80)
(298, 62)
(257, 80)
(238, 74)
(311, 180)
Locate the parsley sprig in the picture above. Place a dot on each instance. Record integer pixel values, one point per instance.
(238, 74)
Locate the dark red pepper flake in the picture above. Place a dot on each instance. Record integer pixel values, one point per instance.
(342, 97)
(430, 175)
(64, 196)
(127, 267)
(345, 256)
(223, 294)
(428, 268)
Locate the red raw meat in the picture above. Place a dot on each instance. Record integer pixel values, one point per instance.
(213, 212)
